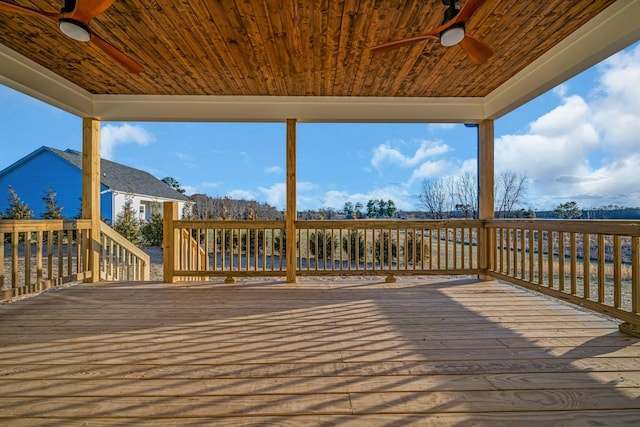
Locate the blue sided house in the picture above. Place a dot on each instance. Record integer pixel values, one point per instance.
(47, 167)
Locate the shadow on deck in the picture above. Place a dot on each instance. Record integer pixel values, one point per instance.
(456, 352)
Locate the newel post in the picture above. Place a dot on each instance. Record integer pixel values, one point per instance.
(91, 191)
(292, 210)
(485, 194)
(169, 214)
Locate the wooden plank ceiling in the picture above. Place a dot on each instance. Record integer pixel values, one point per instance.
(294, 48)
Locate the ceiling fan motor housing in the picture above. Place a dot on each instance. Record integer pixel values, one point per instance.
(74, 29)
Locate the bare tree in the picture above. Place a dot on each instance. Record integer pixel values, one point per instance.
(467, 194)
(449, 184)
(509, 192)
(434, 197)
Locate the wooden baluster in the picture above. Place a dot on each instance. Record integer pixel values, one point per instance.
(508, 250)
(27, 262)
(223, 248)
(601, 265)
(617, 271)
(523, 252)
(15, 239)
(69, 252)
(39, 250)
(561, 261)
(540, 234)
(2, 271)
(550, 269)
(446, 248)
(60, 234)
(431, 249)
(635, 274)
(586, 265)
(514, 252)
(531, 255)
(574, 264)
(257, 232)
(470, 264)
(501, 249)
(439, 259)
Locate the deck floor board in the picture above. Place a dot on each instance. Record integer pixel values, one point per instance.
(344, 352)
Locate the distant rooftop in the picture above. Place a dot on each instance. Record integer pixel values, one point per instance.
(123, 178)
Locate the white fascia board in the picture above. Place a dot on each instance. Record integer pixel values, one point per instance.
(30, 78)
(612, 30)
(280, 108)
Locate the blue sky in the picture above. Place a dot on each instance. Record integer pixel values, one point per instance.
(580, 141)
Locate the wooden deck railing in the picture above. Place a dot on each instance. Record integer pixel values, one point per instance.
(120, 259)
(229, 248)
(595, 264)
(40, 254)
(386, 247)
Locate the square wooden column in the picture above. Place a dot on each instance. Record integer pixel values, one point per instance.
(486, 207)
(291, 209)
(91, 191)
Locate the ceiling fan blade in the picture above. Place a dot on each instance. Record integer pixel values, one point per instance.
(468, 9)
(21, 10)
(396, 44)
(117, 55)
(478, 51)
(86, 10)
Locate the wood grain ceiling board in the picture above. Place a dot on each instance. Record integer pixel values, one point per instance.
(295, 48)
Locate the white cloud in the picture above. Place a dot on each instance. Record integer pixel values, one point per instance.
(384, 153)
(241, 195)
(112, 135)
(436, 127)
(184, 156)
(189, 189)
(618, 108)
(276, 195)
(585, 149)
(273, 169)
(244, 156)
(430, 170)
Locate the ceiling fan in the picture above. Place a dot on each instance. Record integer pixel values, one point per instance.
(450, 33)
(73, 20)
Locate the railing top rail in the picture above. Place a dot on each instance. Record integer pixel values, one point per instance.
(593, 226)
(22, 225)
(388, 223)
(213, 223)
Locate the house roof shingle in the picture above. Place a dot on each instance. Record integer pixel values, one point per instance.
(123, 178)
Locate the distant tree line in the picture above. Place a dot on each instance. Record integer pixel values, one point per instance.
(375, 209)
(439, 199)
(226, 208)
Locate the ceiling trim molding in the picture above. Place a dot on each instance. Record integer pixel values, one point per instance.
(278, 109)
(30, 78)
(609, 32)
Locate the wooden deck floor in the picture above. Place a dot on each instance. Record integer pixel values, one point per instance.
(338, 353)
